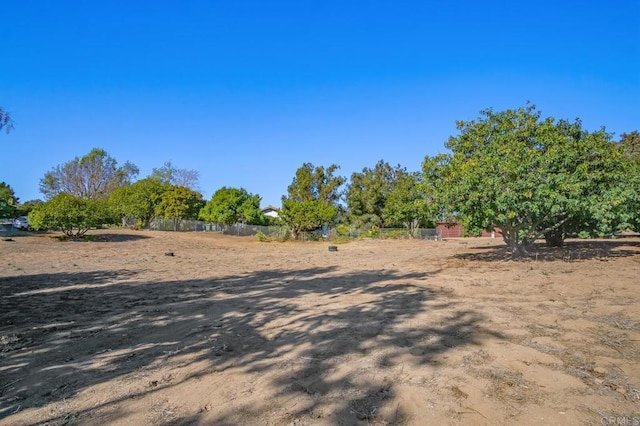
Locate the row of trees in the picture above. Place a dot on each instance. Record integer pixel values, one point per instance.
(94, 190)
(382, 196)
(527, 175)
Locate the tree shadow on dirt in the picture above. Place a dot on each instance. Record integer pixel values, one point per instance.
(94, 236)
(61, 334)
(116, 238)
(572, 250)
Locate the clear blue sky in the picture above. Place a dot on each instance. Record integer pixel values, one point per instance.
(244, 92)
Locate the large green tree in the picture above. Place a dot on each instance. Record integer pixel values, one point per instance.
(532, 176)
(368, 191)
(71, 214)
(138, 200)
(409, 204)
(232, 205)
(6, 122)
(312, 199)
(92, 176)
(178, 203)
(8, 201)
(630, 146)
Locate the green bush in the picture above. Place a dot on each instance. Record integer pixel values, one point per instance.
(74, 216)
(262, 237)
(343, 230)
(374, 232)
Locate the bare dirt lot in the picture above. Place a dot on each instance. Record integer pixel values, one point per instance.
(234, 331)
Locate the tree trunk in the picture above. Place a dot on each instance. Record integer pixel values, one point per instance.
(554, 238)
(517, 247)
(522, 250)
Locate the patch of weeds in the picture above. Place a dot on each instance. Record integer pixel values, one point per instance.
(537, 331)
(620, 342)
(611, 338)
(516, 310)
(580, 373)
(364, 410)
(618, 321)
(542, 306)
(458, 393)
(615, 379)
(545, 349)
(262, 237)
(510, 386)
(569, 315)
(163, 412)
(604, 380)
(367, 407)
(578, 365)
(479, 357)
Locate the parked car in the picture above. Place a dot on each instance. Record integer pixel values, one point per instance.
(21, 222)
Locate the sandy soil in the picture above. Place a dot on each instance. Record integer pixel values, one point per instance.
(234, 331)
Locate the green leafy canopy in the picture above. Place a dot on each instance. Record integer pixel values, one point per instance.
(529, 175)
(8, 201)
(312, 199)
(71, 214)
(233, 205)
(178, 203)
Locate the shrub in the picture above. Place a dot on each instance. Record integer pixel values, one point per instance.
(262, 237)
(72, 215)
(374, 232)
(343, 230)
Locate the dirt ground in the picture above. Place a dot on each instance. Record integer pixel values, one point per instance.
(232, 331)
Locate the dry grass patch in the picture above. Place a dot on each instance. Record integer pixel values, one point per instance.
(510, 386)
